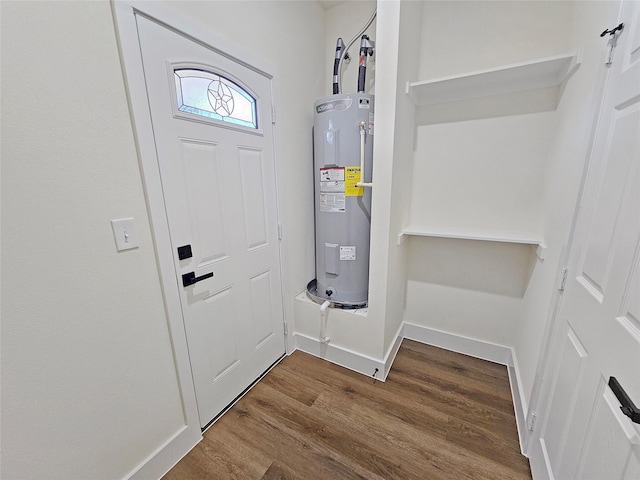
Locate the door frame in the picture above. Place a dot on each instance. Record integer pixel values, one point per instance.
(124, 12)
(548, 366)
(547, 361)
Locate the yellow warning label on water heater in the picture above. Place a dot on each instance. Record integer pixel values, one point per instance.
(351, 177)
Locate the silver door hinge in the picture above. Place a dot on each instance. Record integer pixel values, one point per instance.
(563, 278)
(279, 231)
(273, 114)
(286, 329)
(531, 421)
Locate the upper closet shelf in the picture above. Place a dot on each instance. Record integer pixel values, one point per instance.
(487, 236)
(544, 73)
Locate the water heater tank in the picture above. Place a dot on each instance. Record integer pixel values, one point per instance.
(342, 210)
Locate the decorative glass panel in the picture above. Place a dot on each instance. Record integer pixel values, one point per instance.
(213, 96)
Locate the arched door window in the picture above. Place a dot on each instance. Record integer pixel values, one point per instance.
(213, 96)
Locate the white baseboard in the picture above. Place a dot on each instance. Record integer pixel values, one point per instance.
(458, 343)
(539, 461)
(519, 402)
(485, 351)
(168, 454)
(393, 351)
(348, 358)
(340, 356)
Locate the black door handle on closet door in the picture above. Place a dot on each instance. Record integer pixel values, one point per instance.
(626, 405)
(190, 278)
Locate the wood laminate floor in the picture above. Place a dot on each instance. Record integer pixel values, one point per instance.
(439, 415)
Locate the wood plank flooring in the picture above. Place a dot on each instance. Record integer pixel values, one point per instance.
(439, 415)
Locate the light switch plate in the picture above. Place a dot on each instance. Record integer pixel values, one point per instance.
(124, 232)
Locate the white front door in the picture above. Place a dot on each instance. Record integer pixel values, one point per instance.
(584, 433)
(211, 119)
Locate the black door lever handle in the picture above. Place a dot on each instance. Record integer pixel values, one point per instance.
(190, 278)
(627, 406)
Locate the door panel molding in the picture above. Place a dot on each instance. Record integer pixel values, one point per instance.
(602, 259)
(173, 448)
(246, 205)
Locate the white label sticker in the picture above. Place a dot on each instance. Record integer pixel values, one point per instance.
(332, 180)
(364, 103)
(332, 197)
(332, 202)
(331, 174)
(331, 187)
(348, 253)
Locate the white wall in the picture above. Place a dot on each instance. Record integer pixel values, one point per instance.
(469, 288)
(401, 137)
(482, 174)
(89, 387)
(464, 36)
(388, 41)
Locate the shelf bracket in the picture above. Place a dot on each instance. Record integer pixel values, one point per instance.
(401, 238)
(540, 250)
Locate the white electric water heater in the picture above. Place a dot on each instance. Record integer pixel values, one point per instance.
(343, 152)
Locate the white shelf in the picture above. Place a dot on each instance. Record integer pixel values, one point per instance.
(536, 242)
(520, 77)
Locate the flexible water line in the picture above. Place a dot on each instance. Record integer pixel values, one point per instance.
(344, 51)
(363, 132)
(323, 322)
(336, 65)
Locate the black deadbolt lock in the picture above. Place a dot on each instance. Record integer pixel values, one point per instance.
(184, 252)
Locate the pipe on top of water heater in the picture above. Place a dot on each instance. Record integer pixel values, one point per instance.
(366, 48)
(336, 65)
(344, 52)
